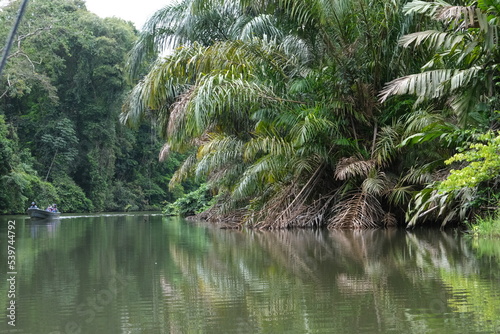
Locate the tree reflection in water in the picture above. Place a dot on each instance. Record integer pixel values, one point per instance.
(191, 278)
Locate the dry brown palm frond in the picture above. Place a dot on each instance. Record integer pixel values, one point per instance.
(178, 112)
(389, 220)
(230, 220)
(311, 215)
(292, 206)
(350, 167)
(359, 211)
(463, 16)
(164, 152)
(270, 216)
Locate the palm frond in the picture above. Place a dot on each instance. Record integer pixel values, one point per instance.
(431, 204)
(435, 39)
(462, 16)
(183, 172)
(273, 145)
(299, 54)
(376, 183)
(425, 85)
(420, 119)
(386, 145)
(400, 195)
(429, 8)
(260, 26)
(464, 104)
(134, 107)
(464, 78)
(264, 172)
(219, 153)
(300, 10)
(359, 210)
(418, 175)
(156, 36)
(220, 97)
(161, 86)
(176, 122)
(164, 152)
(352, 167)
(311, 128)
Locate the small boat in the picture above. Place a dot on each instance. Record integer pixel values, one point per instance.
(42, 214)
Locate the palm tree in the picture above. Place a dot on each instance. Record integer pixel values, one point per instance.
(456, 85)
(463, 64)
(281, 109)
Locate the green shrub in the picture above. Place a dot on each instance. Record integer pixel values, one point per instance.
(483, 163)
(22, 186)
(71, 196)
(192, 203)
(488, 226)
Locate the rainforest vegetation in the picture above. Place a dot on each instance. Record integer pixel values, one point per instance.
(61, 94)
(327, 113)
(293, 113)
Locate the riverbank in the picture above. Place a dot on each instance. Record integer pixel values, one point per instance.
(488, 226)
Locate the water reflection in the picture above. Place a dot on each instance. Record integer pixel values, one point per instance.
(43, 227)
(150, 274)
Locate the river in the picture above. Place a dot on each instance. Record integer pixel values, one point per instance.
(146, 273)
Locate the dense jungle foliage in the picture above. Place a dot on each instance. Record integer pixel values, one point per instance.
(337, 113)
(293, 113)
(61, 94)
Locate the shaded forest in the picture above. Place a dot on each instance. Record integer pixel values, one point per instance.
(60, 97)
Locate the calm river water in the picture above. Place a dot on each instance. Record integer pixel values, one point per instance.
(147, 273)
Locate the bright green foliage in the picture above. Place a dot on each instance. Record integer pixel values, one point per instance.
(192, 203)
(483, 164)
(20, 187)
(487, 226)
(71, 196)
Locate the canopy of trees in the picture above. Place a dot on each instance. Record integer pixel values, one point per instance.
(60, 97)
(338, 113)
(295, 113)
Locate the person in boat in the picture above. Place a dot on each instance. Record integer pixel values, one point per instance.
(54, 208)
(33, 206)
(50, 208)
